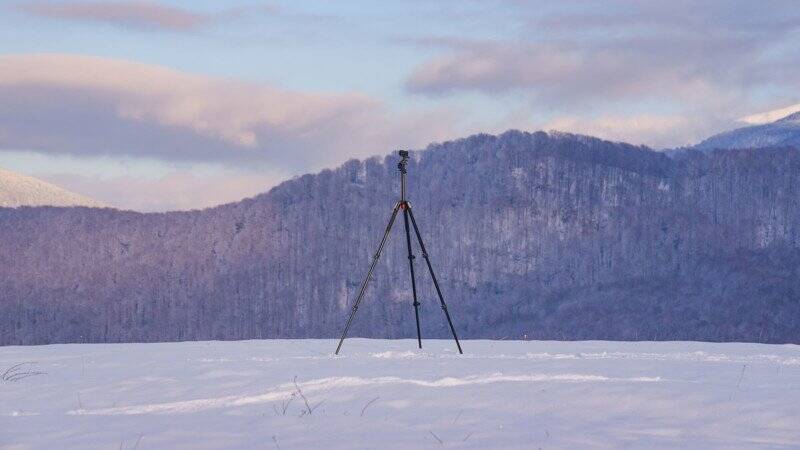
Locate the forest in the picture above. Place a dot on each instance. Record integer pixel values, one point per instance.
(533, 235)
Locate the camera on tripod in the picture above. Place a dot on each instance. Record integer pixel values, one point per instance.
(403, 160)
(409, 222)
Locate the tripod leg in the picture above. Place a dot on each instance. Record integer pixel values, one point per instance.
(433, 276)
(411, 267)
(368, 277)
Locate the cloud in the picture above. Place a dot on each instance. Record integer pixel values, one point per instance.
(566, 73)
(684, 54)
(660, 73)
(178, 190)
(133, 14)
(652, 130)
(552, 73)
(81, 105)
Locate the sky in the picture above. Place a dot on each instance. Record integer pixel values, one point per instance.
(164, 104)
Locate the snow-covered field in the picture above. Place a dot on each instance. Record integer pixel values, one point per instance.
(387, 395)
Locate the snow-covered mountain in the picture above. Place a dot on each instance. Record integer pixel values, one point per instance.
(21, 190)
(549, 236)
(784, 132)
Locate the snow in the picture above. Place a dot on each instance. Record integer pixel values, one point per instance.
(784, 132)
(771, 116)
(21, 190)
(388, 395)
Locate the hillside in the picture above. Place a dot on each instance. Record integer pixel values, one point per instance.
(784, 132)
(545, 236)
(20, 190)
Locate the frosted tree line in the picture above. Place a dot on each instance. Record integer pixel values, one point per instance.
(537, 236)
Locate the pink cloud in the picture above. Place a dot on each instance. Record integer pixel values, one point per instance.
(565, 72)
(81, 105)
(137, 14)
(649, 129)
(680, 57)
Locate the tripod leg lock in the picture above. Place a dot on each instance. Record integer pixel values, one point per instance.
(416, 303)
(412, 257)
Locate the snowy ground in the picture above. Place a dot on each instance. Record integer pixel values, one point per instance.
(386, 395)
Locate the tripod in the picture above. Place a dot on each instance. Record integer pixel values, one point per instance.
(405, 206)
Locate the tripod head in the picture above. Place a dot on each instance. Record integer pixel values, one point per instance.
(401, 166)
(403, 160)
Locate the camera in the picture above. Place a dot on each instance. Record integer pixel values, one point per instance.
(403, 161)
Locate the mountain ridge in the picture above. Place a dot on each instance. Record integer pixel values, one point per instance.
(21, 190)
(533, 235)
(784, 132)
(793, 117)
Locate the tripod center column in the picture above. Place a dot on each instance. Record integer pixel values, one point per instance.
(401, 166)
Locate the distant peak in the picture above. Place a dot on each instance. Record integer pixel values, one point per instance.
(776, 115)
(794, 117)
(22, 190)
